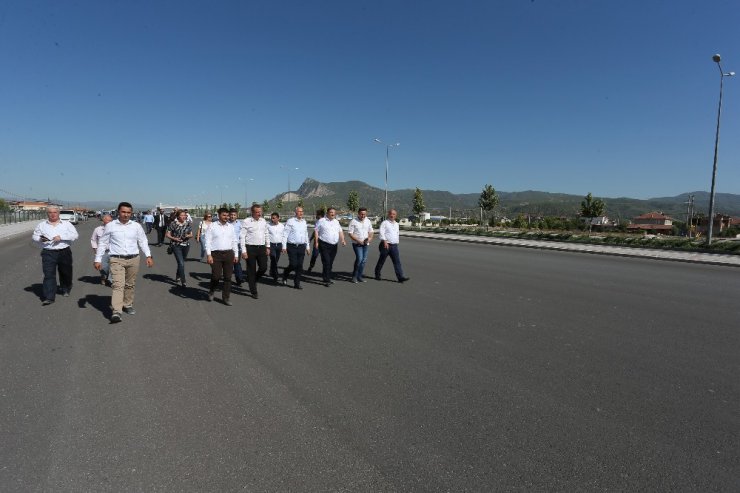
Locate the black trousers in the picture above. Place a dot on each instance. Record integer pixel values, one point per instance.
(160, 234)
(296, 254)
(51, 262)
(328, 253)
(222, 266)
(256, 254)
(275, 251)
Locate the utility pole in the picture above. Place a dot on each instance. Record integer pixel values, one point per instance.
(689, 214)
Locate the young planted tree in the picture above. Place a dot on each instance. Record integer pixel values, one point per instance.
(591, 208)
(279, 204)
(488, 200)
(418, 204)
(353, 201)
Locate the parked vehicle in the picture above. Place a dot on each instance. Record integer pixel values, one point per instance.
(69, 215)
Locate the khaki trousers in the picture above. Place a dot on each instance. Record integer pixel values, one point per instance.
(123, 273)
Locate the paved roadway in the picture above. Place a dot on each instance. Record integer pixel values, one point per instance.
(494, 368)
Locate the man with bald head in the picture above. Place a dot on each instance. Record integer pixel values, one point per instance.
(94, 239)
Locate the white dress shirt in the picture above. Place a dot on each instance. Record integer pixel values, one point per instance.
(221, 237)
(254, 232)
(276, 232)
(122, 239)
(97, 233)
(63, 229)
(295, 232)
(360, 229)
(328, 230)
(389, 232)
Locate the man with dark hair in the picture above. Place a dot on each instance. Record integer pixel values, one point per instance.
(55, 237)
(254, 241)
(123, 238)
(361, 232)
(237, 225)
(328, 235)
(275, 230)
(161, 221)
(222, 253)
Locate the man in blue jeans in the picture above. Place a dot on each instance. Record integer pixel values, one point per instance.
(389, 237)
(361, 233)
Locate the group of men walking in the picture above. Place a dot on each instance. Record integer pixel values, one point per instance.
(118, 244)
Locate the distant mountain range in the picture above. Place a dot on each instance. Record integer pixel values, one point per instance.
(316, 194)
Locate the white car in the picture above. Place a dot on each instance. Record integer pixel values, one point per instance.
(68, 215)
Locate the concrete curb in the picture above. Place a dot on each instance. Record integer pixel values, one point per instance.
(647, 253)
(15, 229)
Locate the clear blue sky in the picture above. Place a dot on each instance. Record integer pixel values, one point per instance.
(154, 101)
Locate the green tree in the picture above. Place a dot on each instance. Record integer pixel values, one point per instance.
(353, 201)
(300, 202)
(488, 199)
(266, 205)
(520, 221)
(591, 208)
(418, 203)
(279, 204)
(4, 207)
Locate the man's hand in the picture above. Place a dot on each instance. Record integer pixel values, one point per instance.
(57, 238)
(209, 259)
(236, 260)
(285, 250)
(385, 244)
(149, 262)
(245, 256)
(97, 265)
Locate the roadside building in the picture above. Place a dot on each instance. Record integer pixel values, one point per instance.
(652, 222)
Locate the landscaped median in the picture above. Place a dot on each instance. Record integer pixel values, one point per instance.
(647, 248)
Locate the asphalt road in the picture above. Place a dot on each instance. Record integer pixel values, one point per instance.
(494, 368)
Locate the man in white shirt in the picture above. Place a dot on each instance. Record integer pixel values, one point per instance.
(389, 236)
(255, 246)
(328, 235)
(222, 247)
(94, 240)
(55, 237)
(123, 238)
(237, 225)
(275, 230)
(361, 233)
(295, 243)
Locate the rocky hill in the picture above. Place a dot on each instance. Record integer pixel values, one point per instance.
(316, 194)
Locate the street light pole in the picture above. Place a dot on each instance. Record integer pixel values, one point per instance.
(245, 182)
(387, 151)
(722, 75)
(289, 170)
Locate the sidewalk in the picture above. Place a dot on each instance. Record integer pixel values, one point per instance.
(673, 255)
(14, 229)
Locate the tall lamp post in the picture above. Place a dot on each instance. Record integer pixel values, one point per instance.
(289, 168)
(717, 59)
(245, 182)
(387, 151)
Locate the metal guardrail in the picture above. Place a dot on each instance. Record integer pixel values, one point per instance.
(11, 217)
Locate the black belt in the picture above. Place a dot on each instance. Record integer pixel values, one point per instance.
(221, 251)
(56, 249)
(296, 244)
(125, 257)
